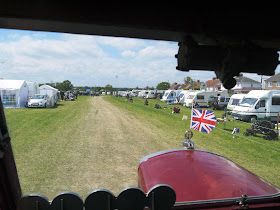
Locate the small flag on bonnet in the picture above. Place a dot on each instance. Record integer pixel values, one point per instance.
(203, 120)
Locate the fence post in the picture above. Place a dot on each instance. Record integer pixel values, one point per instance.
(278, 122)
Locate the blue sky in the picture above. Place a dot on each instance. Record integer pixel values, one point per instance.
(91, 60)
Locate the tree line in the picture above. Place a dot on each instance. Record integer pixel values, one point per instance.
(67, 85)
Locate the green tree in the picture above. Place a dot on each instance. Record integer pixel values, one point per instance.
(108, 88)
(97, 89)
(65, 85)
(163, 86)
(188, 80)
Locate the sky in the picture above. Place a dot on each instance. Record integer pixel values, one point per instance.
(88, 60)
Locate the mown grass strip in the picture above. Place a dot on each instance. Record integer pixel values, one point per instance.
(258, 155)
(42, 139)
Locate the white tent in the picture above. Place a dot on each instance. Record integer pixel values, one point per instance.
(14, 93)
(33, 88)
(49, 90)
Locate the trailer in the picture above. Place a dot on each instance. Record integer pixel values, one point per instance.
(202, 97)
(171, 95)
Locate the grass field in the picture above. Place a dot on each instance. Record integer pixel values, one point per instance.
(42, 141)
(78, 146)
(253, 152)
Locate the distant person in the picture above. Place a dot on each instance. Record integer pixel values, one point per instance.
(146, 102)
(61, 95)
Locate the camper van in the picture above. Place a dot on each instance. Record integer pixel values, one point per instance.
(202, 97)
(258, 104)
(234, 101)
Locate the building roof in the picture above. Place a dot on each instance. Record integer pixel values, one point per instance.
(185, 85)
(212, 83)
(274, 78)
(194, 84)
(174, 86)
(242, 79)
(11, 84)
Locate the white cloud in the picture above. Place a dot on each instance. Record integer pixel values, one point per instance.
(160, 50)
(89, 60)
(128, 54)
(122, 43)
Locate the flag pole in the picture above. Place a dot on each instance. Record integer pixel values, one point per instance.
(191, 117)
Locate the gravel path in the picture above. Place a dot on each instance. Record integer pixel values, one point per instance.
(113, 144)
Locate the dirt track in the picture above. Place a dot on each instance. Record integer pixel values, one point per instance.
(113, 144)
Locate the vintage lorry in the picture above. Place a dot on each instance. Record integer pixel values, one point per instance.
(203, 179)
(210, 38)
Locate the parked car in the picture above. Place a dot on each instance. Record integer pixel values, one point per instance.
(218, 102)
(39, 100)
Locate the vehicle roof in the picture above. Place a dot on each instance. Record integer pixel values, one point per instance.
(261, 93)
(200, 175)
(238, 96)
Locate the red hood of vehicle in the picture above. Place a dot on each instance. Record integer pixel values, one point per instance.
(200, 175)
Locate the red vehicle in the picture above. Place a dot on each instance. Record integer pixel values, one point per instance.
(221, 39)
(205, 179)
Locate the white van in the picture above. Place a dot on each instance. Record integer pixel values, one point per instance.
(235, 99)
(202, 97)
(258, 104)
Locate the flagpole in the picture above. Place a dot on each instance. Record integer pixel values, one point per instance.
(191, 117)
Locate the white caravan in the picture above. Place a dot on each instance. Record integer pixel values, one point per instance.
(151, 94)
(202, 97)
(234, 101)
(135, 92)
(258, 104)
(182, 96)
(143, 93)
(170, 95)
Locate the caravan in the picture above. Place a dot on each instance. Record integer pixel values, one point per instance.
(171, 95)
(258, 104)
(183, 95)
(154, 93)
(202, 97)
(143, 93)
(234, 101)
(151, 94)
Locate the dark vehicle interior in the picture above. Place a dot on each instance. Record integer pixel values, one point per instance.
(227, 41)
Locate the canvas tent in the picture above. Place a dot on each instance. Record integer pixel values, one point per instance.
(49, 90)
(33, 88)
(14, 93)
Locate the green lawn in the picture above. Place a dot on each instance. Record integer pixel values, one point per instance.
(254, 153)
(42, 140)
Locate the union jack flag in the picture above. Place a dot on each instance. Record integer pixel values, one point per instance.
(203, 120)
